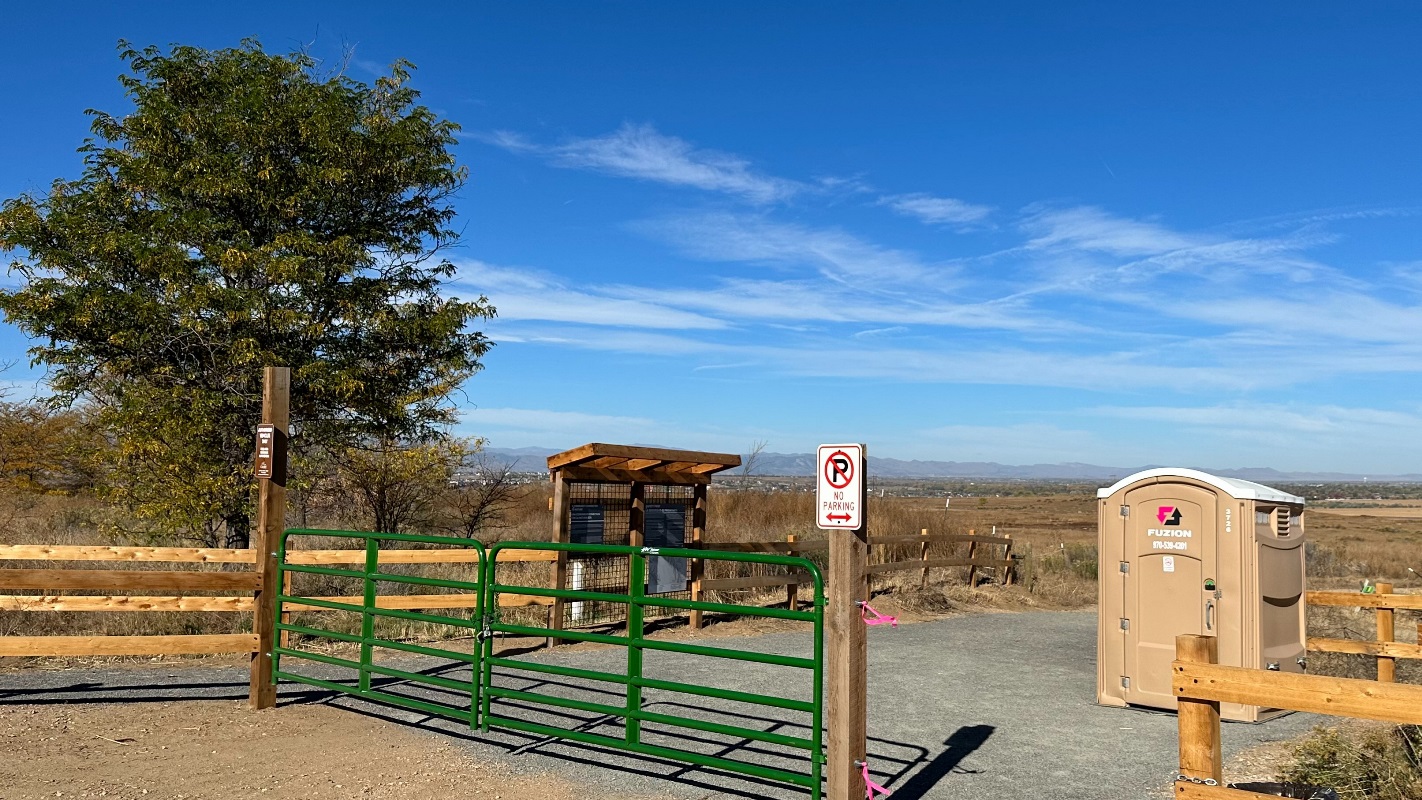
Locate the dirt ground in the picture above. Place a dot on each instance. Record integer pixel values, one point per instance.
(219, 750)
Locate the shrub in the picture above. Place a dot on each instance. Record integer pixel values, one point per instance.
(1361, 763)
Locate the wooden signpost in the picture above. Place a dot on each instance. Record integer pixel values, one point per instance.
(840, 506)
(271, 520)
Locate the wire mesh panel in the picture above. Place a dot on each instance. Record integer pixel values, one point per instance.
(600, 513)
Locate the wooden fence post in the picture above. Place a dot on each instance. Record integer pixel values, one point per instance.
(1387, 632)
(1008, 564)
(846, 657)
(559, 504)
(972, 553)
(792, 590)
(698, 566)
(1199, 720)
(868, 579)
(271, 521)
(923, 556)
(698, 525)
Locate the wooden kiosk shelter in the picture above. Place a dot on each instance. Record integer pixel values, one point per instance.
(638, 496)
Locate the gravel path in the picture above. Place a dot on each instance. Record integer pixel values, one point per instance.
(978, 706)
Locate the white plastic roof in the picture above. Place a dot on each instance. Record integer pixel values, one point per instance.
(1240, 489)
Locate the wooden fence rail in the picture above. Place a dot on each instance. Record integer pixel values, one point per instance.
(1003, 563)
(1385, 648)
(1200, 685)
(173, 583)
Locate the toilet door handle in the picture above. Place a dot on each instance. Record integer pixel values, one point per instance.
(1210, 615)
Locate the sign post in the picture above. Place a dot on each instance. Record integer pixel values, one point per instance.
(840, 501)
(271, 520)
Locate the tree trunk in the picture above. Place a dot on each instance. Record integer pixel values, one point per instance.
(239, 530)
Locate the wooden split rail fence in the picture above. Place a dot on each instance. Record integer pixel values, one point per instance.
(1002, 563)
(1200, 684)
(173, 590)
(1386, 648)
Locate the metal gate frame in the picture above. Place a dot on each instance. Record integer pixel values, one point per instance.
(370, 575)
(635, 642)
(486, 623)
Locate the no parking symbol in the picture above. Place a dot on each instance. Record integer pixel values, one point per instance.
(839, 495)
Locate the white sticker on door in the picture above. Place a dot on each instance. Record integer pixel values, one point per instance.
(1169, 563)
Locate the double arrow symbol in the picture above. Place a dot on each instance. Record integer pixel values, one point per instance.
(837, 517)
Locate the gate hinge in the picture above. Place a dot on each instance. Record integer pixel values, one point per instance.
(1126, 567)
(1125, 682)
(1125, 511)
(1125, 624)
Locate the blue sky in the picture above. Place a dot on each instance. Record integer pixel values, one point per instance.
(1115, 233)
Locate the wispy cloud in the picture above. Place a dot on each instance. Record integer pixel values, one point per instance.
(1306, 420)
(1092, 229)
(936, 210)
(878, 332)
(552, 420)
(1274, 434)
(1014, 444)
(521, 294)
(835, 254)
(641, 152)
(549, 427)
(1316, 315)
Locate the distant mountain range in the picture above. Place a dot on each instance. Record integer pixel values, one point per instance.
(535, 459)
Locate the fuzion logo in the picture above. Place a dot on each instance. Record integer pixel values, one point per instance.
(1168, 515)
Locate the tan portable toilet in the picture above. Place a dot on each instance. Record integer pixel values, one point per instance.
(1183, 551)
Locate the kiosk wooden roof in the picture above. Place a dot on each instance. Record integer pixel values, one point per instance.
(616, 463)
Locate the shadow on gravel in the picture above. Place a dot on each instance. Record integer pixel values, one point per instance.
(963, 742)
(101, 692)
(906, 768)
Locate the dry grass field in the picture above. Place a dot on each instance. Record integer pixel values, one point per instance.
(1053, 527)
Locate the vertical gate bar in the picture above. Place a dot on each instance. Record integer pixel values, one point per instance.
(475, 672)
(487, 579)
(817, 752)
(636, 578)
(792, 590)
(281, 569)
(367, 619)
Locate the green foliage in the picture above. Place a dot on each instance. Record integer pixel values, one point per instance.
(45, 450)
(1372, 763)
(394, 486)
(247, 211)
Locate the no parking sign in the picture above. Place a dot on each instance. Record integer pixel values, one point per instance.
(839, 494)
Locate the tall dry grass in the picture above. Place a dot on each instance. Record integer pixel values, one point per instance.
(1055, 536)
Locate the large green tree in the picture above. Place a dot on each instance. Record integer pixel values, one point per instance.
(246, 210)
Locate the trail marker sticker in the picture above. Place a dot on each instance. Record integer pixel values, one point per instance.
(839, 493)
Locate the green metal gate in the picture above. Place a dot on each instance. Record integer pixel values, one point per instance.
(632, 681)
(463, 702)
(476, 695)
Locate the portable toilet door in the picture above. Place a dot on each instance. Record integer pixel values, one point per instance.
(1170, 556)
